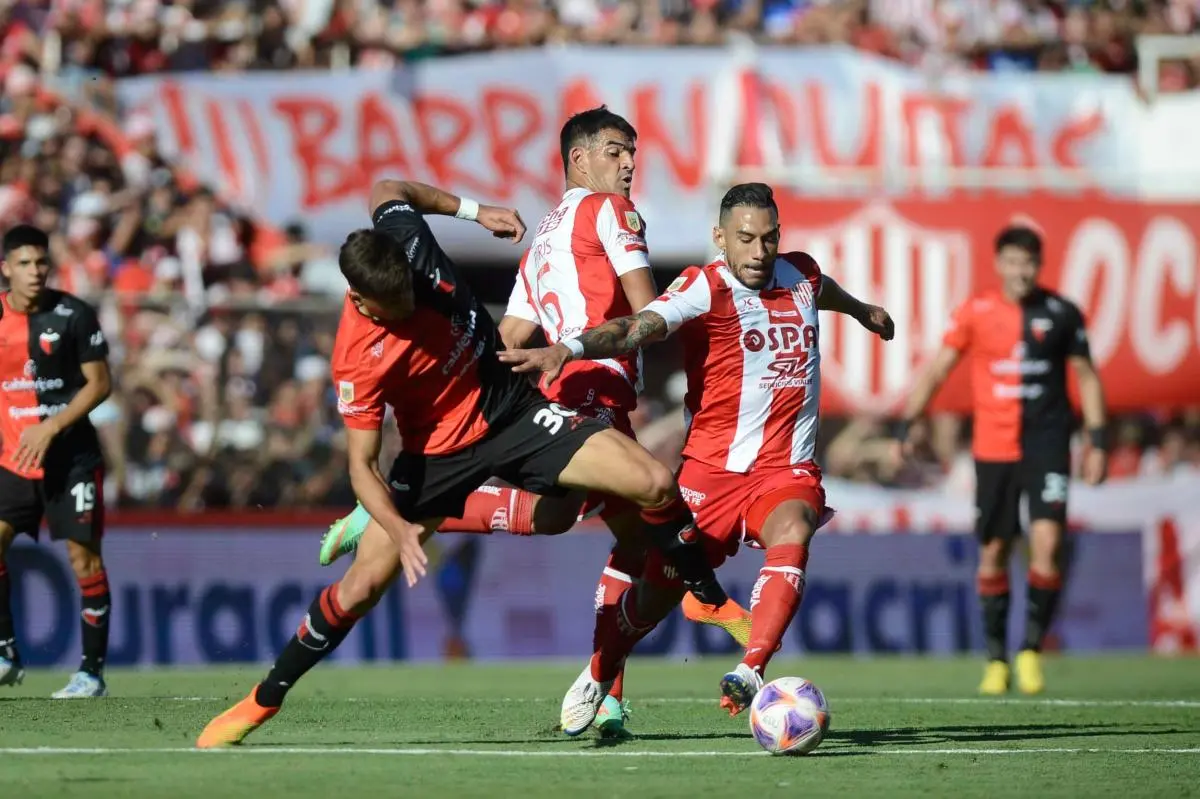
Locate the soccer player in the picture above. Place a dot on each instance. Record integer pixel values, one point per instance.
(588, 263)
(412, 335)
(1020, 340)
(53, 373)
(750, 333)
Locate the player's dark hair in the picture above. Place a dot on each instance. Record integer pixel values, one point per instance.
(25, 236)
(1022, 237)
(586, 125)
(375, 265)
(748, 195)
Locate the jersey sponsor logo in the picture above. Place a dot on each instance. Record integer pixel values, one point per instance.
(879, 254)
(33, 384)
(48, 341)
(780, 338)
(464, 330)
(97, 339)
(552, 220)
(36, 411)
(790, 371)
(391, 209)
(351, 409)
(692, 497)
(1018, 364)
(377, 350)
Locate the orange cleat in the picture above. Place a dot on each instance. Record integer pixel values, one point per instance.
(231, 727)
(730, 617)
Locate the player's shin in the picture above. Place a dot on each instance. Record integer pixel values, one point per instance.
(1042, 601)
(8, 637)
(620, 572)
(619, 627)
(495, 509)
(96, 604)
(325, 625)
(774, 601)
(672, 530)
(993, 601)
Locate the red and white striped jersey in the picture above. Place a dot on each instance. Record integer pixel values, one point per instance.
(569, 279)
(753, 364)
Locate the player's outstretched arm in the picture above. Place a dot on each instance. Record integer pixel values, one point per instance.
(504, 223)
(372, 491)
(618, 337)
(835, 298)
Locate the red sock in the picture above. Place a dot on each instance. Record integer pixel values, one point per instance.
(618, 629)
(774, 601)
(621, 571)
(495, 509)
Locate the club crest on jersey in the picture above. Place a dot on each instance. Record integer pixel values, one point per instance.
(1040, 327)
(633, 221)
(345, 391)
(802, 293)
(48, 341)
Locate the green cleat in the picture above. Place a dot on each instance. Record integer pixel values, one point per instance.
(611, 718)
(343, 535)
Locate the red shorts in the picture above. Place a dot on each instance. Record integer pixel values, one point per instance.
(600, 393)
(731, 508)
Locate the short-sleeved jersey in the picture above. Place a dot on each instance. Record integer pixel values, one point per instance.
(1018, 355)
(438, 368)
(570, 278)
(753, 364)
(41, 370)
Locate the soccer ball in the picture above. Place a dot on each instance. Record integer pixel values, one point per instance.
(789, 716)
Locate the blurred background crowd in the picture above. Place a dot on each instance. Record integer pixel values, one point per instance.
(222, 328)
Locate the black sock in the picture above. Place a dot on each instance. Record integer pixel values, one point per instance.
(993, 600)
(1041, 603)
(673, 531)
(324, 627)
(94, 612)
(8, 635)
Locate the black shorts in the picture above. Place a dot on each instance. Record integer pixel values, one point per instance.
(999, 486)
(71, 501)
(529, 449)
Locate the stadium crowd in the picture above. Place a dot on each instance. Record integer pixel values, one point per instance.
(222, 329)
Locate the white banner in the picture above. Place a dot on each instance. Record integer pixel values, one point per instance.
(307, 146)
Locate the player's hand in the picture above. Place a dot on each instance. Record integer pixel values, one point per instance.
(878, 321)
(543, 359)
(505, 223)
(34, 441)
(1095, 467)
(912, 446)
(407, 537)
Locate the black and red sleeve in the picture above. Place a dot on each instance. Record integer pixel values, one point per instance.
(425, 256)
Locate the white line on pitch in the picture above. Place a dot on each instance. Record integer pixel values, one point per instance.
(834, 700)
(424, 751)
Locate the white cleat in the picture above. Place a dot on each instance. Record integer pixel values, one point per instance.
(582, 702)
(82, 686)
(739, 687)
(11, 673)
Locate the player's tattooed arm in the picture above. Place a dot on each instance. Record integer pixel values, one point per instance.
(833, 297)
(623, 336)
(618, 337)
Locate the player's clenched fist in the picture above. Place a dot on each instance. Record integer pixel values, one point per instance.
(505, 223)
(549, 360)
(878, 321)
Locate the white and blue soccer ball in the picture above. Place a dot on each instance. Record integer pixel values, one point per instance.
(789, 716)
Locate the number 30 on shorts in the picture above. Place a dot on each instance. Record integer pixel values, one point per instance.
(85, 497)
(552, 417)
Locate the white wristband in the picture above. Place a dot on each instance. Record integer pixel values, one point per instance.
(468, 209)
(574, 345)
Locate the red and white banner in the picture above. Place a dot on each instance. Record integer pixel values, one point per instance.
(1131, 266)
(308, 145)
(1171, 562)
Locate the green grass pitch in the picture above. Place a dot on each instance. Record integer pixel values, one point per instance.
(1112, 726)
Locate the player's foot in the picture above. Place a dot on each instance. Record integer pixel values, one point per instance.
(739, 687)
(343, 536)
(1028, 666)
(730, 617)
(231, 727)
(995, 678)
(11, 673)
(611, 718)
(82, 686)
(583, 701)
